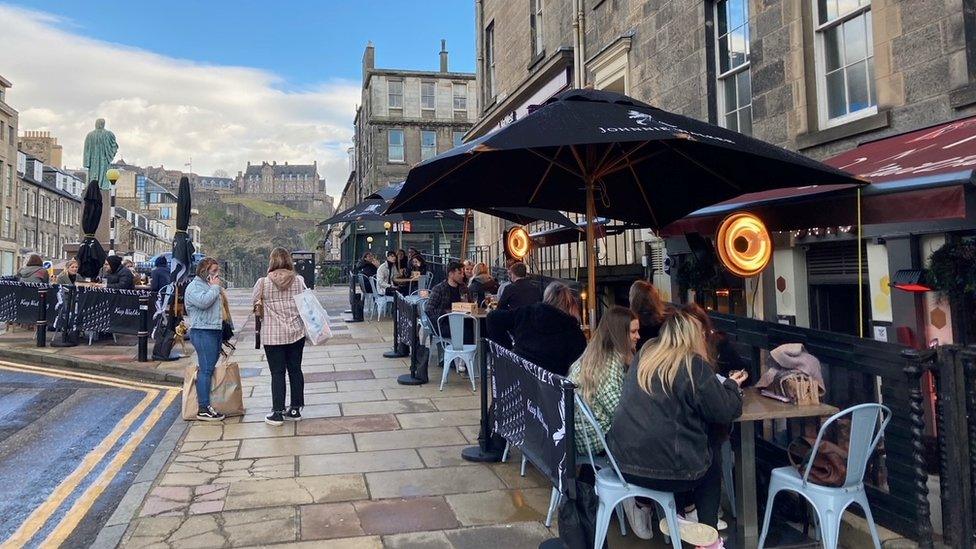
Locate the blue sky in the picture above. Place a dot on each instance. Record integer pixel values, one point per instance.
(217, 81)
(303, 41)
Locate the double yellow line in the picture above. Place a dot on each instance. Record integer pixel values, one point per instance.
(42, 514)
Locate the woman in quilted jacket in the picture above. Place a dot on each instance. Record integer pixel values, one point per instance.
(283, 335)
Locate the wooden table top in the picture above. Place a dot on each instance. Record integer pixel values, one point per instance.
(756, 407)
(401, 280)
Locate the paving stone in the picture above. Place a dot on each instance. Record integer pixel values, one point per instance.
(429, 391)
(260, 526)
(185, 479)
(318, 368)
(444, 456)
(293, 446)
(295, 491)
(417, 540)
(413, 438)
(264, 401)
(339, 376)
(510, 474)
(353, 424)
(439, 419)
(308, 412)
(432, 482)
(256, 469)
(204, 432)
(364, 542)
(470, 432)
(213, 451)
(367, 384)
(523, 534)
(204, 507)
(387, 407)
(396, 516)
(258, 430)
(360, 462)
(313, 388)
(448, 404)
(329, 521)
(500, 506)
(377, 364)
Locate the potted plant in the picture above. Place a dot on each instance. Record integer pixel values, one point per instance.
(953, 275)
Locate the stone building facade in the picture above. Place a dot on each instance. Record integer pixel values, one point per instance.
(281, 179)
(50, 215)
(42, 146)
(407, 116)
(816, 76)
(9, 218)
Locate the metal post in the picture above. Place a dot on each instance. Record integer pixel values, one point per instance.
(111, 236)
(41, 326)
(143, 354)
(486, 450)
(569, 390)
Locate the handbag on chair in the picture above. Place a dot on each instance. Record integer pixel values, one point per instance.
(829, 467)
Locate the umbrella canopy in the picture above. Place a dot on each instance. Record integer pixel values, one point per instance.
(520, 215)
(91, 255)
(609, 155)
(183, 248)
(374, 209)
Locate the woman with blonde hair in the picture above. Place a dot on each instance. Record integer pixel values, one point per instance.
(283, 335)
(647, 304)
(481, 283)
(660, 435)
(69, 274)
(547, 334)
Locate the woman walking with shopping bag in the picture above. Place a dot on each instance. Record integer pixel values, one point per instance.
(283, 335)
(202, 301)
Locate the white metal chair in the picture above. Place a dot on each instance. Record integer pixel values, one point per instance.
(868, 422)
(454, 347)
(424, 282)
(612, 489)
(369, 305)
(427, 335)
(380, 300)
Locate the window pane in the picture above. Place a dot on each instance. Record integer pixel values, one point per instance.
(869, 33)
(836, 96)
(736, 12)
(723, 19)
(871, 87)
(857, 86)
(847, 6)
(731, 122)
(744, 88)
(827, 10)
(855, 44)
(745, 121)
(737, 44)
(723, 53)
(832, 49)
(427, 95)
(730, 99)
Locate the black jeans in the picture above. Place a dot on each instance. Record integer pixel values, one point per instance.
(282, 358)
(705, 493)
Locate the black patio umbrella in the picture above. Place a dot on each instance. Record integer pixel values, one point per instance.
(520, 215)
(183, 248)
(91, 255)
(374, 209)
(605, 154)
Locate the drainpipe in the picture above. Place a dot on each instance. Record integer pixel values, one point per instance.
(579, 45)
(479, 52)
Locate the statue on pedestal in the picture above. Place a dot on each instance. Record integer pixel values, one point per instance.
(100, 149)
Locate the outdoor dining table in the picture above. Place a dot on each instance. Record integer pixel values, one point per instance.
(756, 407)
(408, 281)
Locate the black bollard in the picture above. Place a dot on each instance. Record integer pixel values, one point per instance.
(41, 327)
(143, 350)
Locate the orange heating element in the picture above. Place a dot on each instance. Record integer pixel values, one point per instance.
(744, 244)
(518, 242)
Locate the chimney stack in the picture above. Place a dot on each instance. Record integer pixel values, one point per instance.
(443, 55)
(369, 58)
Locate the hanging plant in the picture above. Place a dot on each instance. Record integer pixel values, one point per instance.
(952, 270)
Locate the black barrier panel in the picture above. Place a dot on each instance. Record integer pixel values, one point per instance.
(19, 301)
(109, 310)
(530, 413)
(406, 319)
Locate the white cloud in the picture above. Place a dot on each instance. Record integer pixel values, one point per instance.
(165, 110)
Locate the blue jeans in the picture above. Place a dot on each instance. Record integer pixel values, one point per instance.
(206, 343)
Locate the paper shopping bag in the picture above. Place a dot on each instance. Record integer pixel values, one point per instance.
(226, 393)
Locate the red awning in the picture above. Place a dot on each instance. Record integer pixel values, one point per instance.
(915, 176)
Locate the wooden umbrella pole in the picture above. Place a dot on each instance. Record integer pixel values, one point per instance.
(464, 234)
(591, 253)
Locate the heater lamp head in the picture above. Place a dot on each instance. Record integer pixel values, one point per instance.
(911, 280)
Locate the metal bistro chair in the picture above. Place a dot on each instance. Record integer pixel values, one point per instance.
(455, 347)
(612, 489)
(868, 422)
(424, 282)
(369, 304)
(380, 301)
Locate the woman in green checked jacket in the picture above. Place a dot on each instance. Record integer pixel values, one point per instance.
(599, 374)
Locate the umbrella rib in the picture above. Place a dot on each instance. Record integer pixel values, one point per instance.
(647, 202)
(630, 163)
(710, 171)
(556, 162)
(439, 178)
(613, 166)
(599, 165)
(544, 175)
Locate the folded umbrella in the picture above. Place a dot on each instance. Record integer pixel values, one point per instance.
(91, 255)
(183, 248)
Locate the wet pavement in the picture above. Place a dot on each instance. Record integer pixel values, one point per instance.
(70, 445)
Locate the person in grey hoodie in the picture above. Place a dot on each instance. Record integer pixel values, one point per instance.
(202, 299)
(283, 335)
(33, 271)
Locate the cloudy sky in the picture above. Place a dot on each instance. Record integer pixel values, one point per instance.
(169, 98)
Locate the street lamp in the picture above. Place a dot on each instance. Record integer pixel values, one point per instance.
(386, 228)
(112, 175)
(369, 241)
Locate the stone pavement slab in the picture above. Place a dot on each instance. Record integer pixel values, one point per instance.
(393, 516)
(432, 482)
(360, 462)
(296, 446)
(413, 438)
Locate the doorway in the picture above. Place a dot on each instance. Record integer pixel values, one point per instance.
(833, 308)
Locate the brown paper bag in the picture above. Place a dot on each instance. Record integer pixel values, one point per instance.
(226, 393)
